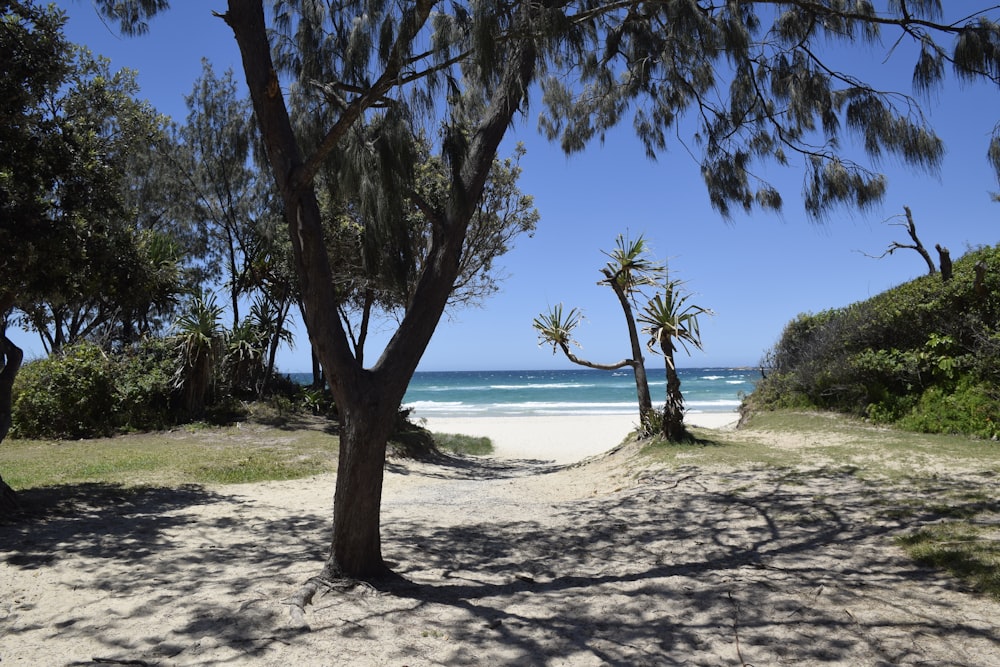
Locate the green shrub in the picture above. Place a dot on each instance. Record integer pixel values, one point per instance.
(82, 392)
(972, 408)
(67, 395)
(144, 387)
(923, 355)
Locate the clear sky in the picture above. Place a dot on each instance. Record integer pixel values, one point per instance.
(756, 272)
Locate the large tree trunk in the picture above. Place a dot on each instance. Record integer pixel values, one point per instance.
(356, 547)
(368, 400)
(11, 357)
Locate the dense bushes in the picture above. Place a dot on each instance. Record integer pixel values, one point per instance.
(82, 392)
(85, 392)
(924, 355)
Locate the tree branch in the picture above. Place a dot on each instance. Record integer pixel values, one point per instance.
(590, 364)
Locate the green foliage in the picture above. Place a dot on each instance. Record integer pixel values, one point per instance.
(198, 341)
(924, 355)
(556, 328)
(69, 395)
(971, 407)
(458, 443)
(317, 401)
(82, 392)
(144, 395)
(75, 261)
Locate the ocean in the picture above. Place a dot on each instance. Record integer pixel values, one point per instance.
(567, 392)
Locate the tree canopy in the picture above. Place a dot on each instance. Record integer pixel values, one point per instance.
(71, 256)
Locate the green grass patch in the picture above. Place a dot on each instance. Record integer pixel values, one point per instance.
(249, 453)
(968, 551)
(457, 443)
(786, 439)
(260, 466)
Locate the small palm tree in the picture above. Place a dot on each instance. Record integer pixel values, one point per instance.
(199, 346)
(269, 317)
(629, 270)
(669, 318)
(243, 361)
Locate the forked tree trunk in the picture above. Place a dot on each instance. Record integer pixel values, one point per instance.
(368, 400)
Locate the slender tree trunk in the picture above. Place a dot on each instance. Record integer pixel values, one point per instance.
(11, 357)
(673, 410)
(638, 365)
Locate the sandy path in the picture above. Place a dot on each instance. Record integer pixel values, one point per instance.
(506, 563)
(560, 439)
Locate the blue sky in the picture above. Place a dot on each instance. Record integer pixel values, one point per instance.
(756, 272)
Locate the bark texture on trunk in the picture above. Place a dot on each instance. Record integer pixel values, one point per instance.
(638, 365)
(673, 410)
(356, 546)
(11, 357)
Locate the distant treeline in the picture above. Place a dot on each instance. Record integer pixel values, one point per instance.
(922, 356)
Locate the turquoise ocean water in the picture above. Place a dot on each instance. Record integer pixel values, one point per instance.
(566, 392)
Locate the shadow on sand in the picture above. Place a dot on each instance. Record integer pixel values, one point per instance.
(687, 567)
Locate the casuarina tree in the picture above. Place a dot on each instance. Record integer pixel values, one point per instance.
(748, 78)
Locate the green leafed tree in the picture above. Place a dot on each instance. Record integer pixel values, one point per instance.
(71, 261)
(750, 78)
(130, 274)
(227, 196)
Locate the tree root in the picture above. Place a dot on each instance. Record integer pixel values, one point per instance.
(322, 583)
(328, 581)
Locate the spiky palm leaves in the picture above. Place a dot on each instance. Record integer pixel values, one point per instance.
(670, 319)
(199, 340)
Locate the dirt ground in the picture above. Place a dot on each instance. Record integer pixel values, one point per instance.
(502, 562)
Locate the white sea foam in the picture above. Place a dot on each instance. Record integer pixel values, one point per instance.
(553, 385)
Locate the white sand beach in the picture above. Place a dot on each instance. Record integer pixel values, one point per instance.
(560, 439)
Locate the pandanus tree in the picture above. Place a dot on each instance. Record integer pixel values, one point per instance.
(199, 343)
(629, 271)
(670, 320)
